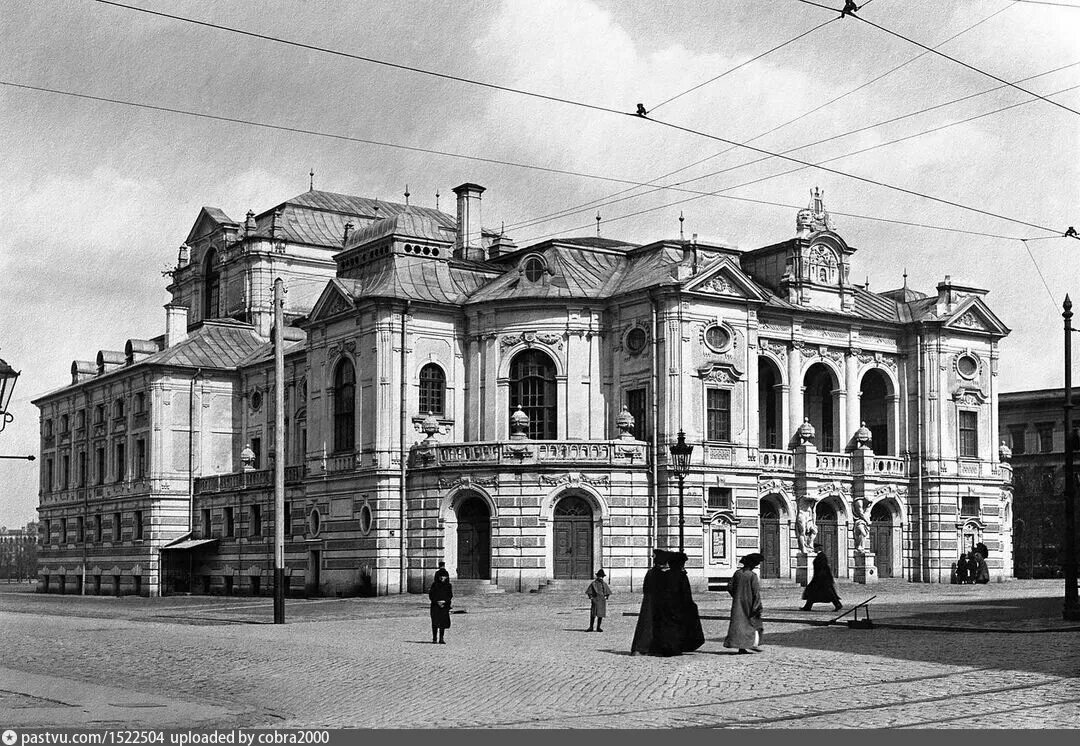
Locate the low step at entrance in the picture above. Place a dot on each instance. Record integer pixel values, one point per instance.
(565, 585)
(473, 587)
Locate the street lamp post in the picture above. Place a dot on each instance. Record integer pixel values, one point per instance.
(680, 465)
(1071, 609)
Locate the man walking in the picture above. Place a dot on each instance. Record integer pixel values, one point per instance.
(821, 588)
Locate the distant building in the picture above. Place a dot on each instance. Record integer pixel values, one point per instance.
(509, 411)
(18, 552)
(1033, 429)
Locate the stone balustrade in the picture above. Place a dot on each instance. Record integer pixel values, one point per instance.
(261, 479)
(520, 452)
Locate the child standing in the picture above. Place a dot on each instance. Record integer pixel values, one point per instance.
(598, 592)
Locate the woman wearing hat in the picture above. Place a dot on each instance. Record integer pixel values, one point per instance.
(745, 628)
(598, 592)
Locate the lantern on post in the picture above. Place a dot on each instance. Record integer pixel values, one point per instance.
(680, 467)
(8, 377)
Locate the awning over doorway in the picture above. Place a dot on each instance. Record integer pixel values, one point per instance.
(189, 544)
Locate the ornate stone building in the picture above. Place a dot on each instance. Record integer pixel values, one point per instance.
(509, 411)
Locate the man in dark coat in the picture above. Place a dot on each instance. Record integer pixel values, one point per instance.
(441, 594)
(981, 570)
(821, 588)
(691, 634)
(963, 569)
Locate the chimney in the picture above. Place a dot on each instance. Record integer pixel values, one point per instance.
(249, 223)
(175, 323)
(945, 299)
(469, 243)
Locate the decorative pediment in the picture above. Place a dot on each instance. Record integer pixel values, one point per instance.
(725, 279)
(973, 315)
(725, 373)
(209, 220)
(776, 486)
(970, 396)
(335, 299)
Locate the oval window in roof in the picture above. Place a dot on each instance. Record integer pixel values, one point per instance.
(534, 268)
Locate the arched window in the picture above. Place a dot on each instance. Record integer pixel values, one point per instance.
(212, 285)
(344, 407)
(532, 387)
(432, 397)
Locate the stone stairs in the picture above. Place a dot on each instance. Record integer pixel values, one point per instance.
(474, 587)
(564, 586)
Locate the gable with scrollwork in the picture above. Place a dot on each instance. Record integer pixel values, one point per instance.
(722, 373)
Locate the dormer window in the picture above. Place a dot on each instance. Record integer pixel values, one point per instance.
(534, 268)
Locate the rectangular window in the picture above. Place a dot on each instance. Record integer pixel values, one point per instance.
(140, 403)
(719, 498)
(969, 505)
(80, 529)
(65, 471)
(99, 414)
(256, 448)
(80, 419)
(1017, 435)
(63, 531)
(718, 414)
(97, 527)
(48, 475)
(121, 462)
(1046, 437)
(117, 526)
(206, 525)
(229, 526)
(48, 532)
(256, 520)
(138, 525)
(635, 403)
(99, 455)
(140, 458)
(288, 519)
(82, 468)
(969, 434)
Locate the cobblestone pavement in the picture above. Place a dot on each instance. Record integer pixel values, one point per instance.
(523, 661)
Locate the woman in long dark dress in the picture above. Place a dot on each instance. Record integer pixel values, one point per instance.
(822, 587)
(691, 635)
(745, 628)
(658, 630)
(441, 594)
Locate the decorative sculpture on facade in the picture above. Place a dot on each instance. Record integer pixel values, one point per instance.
(863, 437)
(862, 532)
(1004, 452)
(519, 424)
(805, 526)
(806, 433)
(625, 422)
(247, 458)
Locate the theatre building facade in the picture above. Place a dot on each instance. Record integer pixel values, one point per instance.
(509, 411)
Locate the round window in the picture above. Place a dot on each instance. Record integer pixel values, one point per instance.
(534, 269)
(366, 519)
(717, 338)
(256, 400)
(314, 522)
(967, 366)
(636, 340)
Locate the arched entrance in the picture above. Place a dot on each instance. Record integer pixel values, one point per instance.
(474, 539)
(573, 539)
(881, 540)
(770, 538)
(828, 533)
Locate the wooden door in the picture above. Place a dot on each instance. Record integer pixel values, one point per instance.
(829, 536)
(770, 547)
(573, 549)
(881, 540)
(474, 540)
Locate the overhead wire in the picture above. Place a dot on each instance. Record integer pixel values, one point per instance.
(594, 107)
(979, 70)
(819, 107)
(680, 186)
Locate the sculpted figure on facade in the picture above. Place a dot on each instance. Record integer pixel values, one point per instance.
(862, 532)
(805, 526)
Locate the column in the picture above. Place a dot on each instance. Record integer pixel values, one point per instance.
(795, 393)
(851, 386)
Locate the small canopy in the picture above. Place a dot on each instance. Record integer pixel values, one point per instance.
(189, 544)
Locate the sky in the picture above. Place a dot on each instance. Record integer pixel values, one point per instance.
(98, 196)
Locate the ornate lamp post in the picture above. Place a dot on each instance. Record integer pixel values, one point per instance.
(680, 467)
(8, 377)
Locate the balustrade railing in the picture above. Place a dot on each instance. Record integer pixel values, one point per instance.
(515, 452)
(889, 466)
(776, 460)
(832, 463)
(262, 478)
